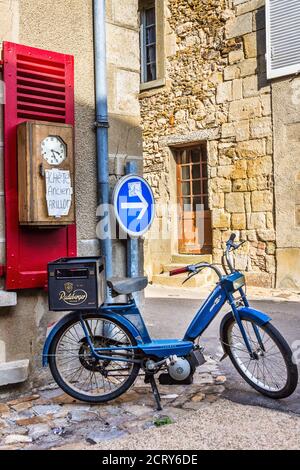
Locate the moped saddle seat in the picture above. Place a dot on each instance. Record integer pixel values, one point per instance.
(127, 285)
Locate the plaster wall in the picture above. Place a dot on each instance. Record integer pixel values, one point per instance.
(66, 26)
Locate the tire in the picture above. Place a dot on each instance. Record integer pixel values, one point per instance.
(268, 331)
(86, 362)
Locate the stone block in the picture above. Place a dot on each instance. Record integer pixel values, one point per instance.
(288, 261)
(239, 130)
(256, 221)
(251, 148)
(270, 264)
(125, 13)
(8, 299)
(266, 235)
(238, 221)
(237, 89)
(221, 184)
(239, 26)
(262, 201)
(245, 109)
(128, 40)
(259, 279)
(254, 44)
(240, 170)
(270, 220)
(220, 219)
(236, 56)
(14, 372)
(242, 131)
(247, 6)
(234, 202)
(266, 105)
(240, 185)
(225, 171)
(126, 91)
(224, 92)
(250, 86)
(232, 72)
(250, 45)
(261, 127)
(228, 130)
(260, 166)
(248, 67)
(217, 200)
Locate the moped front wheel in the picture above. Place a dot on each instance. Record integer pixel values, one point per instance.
(79, 373)
(271, 370)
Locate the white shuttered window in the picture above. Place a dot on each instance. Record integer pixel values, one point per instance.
(283, 37)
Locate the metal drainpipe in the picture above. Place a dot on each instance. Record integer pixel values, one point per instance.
(102, 125)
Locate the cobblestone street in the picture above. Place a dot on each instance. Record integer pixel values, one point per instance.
(50, 419)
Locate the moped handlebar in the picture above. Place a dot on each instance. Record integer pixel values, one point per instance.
(195, 268)
(175, 272)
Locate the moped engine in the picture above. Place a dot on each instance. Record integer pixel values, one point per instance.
(179, 368)
(180, 371)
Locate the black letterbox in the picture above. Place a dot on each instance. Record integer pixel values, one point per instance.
(76, 283)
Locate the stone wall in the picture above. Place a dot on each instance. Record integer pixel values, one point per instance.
(216, 90)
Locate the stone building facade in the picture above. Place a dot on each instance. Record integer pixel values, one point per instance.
(66, 26)
(216, 93)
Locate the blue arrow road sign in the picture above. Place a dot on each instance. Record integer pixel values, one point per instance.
(134, 205)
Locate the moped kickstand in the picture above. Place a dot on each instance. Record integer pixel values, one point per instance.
(149, 378)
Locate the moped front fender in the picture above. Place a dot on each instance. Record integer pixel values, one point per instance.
(75, 315)
(246, 313)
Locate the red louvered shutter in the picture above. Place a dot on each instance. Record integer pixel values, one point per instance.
(39, 85)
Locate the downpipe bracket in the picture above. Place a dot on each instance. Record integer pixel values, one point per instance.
(101, 125)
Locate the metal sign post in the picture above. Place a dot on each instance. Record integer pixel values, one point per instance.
(134, 205)
(134, 209)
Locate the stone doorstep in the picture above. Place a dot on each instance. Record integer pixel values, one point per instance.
(14, 372)
(201, 280)
(8, 299)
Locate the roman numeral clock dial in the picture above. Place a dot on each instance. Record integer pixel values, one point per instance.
(53, 150)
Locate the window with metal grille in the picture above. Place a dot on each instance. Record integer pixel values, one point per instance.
(148, 43)
(283, 37)
(192, 177)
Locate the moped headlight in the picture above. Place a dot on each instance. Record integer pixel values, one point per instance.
(238, 283)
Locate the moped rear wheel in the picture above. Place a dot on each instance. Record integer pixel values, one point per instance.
(272, 371)
(77, 371)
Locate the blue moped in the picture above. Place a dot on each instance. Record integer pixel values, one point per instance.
(96, 356)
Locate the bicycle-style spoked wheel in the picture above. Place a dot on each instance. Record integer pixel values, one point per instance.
(271, 371)
(83, 376)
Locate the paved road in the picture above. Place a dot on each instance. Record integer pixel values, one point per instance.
(170, 318)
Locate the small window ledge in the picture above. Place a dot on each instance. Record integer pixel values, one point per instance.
(160, 82)
(8, 299)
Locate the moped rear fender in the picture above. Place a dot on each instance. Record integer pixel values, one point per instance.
(75, 315)
(246, 313)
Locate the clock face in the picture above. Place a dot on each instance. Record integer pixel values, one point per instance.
(53, 150)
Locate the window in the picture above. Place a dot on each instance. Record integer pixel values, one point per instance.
(195, 232)
(283, 37)
(148, 44)
(152, 51)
